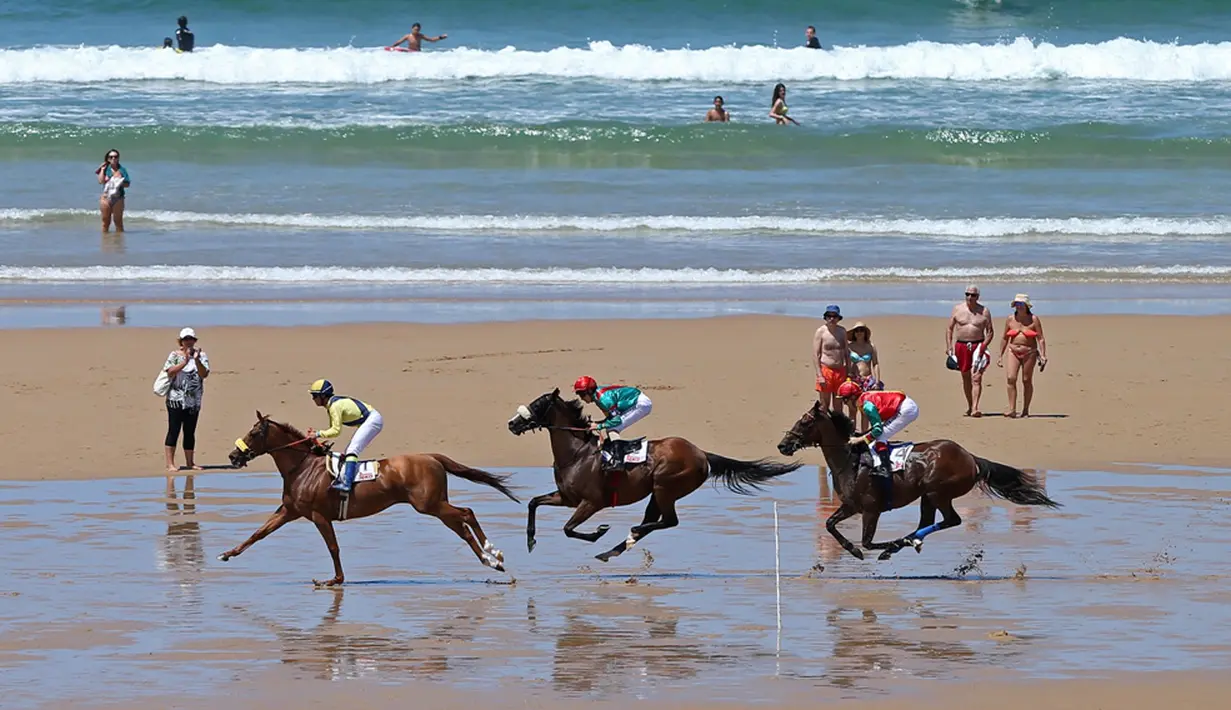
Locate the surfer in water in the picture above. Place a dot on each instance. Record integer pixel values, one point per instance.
(415, 37)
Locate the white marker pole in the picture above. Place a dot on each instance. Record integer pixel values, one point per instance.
(777, 578)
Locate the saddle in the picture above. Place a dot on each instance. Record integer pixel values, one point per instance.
(620, 453)
(899, 454)
(334, 464)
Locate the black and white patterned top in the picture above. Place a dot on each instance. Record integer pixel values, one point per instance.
(187, 387)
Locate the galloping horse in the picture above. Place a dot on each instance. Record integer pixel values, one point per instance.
(673, 468)
(418, 479)
(936, 472)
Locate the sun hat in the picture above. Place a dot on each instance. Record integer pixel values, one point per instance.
(1020, 298)
(834, 310)
(188, 333)
(850, 333)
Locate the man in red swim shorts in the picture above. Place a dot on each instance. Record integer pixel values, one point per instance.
(971, 326)
(831, 354)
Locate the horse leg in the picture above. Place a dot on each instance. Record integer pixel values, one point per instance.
(842, 513)
(472, 522)
(656, 518)
(951, 520)
(281, 517)
(870, 519)
(331, 541)
(580, 515)
(927, 516)
(552, 498)
(455, 519)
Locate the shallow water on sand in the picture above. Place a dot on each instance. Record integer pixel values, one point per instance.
(118, 589)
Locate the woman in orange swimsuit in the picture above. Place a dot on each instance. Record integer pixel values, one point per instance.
(1023, 337)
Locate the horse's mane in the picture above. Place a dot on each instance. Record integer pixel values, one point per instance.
(294, 431)
(843, 423)
(575, 408)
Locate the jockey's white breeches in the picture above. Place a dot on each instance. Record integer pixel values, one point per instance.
(907, 413)
(638, 412)
(366, 432)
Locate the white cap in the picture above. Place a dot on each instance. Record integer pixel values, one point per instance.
(188, 333)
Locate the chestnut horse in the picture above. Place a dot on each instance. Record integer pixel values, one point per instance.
(418, 479)
(673, 468)
(936, 473)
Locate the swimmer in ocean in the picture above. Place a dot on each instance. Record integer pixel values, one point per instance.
(413, 39)
(718, 114)
(778, 108)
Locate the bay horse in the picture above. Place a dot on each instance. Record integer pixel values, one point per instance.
(418, 479)
(936, 473)
(673, 468)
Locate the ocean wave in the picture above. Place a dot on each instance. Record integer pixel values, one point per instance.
(1102, 228)
(332, 275)
(1019, 59)
(594, 144)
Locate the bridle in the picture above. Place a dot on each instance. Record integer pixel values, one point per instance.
(243, 447)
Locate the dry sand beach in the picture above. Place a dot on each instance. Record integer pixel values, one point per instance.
(1117, 389)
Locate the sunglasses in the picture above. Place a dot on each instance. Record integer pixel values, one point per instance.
(972, 295)
(113, 155)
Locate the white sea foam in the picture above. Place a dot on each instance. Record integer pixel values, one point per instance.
(1019, 59)
(975, 228)
(552, 276)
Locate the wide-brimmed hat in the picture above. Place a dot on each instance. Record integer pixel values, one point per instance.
(1020, 298)
(850, 332)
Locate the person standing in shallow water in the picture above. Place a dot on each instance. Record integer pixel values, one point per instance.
(114, 179)
(718, 114)
(778, 108)
(813, 42)
(415, 38)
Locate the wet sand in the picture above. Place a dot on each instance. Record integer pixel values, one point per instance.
(115, 585)
(81, 402)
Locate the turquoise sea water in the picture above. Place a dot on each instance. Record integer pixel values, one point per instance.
(550, 145)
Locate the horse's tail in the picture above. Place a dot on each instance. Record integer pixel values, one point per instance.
(740, 476)
(476, 475)
(1014, 485)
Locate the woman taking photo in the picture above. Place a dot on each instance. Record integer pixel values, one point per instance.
(187, 367)
(114, 179)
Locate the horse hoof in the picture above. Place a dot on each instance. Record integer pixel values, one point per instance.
(885, 555)
(224, 557)
(916, 543)
(603, 557)
(498, 555)
(602, 530)
(530, 543)
(857, 552)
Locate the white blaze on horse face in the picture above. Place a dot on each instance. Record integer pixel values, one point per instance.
(524, 412)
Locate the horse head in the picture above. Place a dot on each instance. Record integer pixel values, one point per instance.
(546, 411)
(264, 436)
(817, 427)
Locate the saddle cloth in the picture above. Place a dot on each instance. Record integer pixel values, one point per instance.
(899, 453)
(367, 469)
(619, 452)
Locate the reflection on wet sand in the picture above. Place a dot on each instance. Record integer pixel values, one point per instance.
(181, 551)
(699, 626)
(112, 243)
(115, 315)
(619, 645)
(336, 649)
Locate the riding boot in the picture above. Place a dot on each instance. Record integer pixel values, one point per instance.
(349, 470)
(880, 457)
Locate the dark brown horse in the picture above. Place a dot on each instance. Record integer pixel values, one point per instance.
(937, 472)
(673, 468)
(418, 479)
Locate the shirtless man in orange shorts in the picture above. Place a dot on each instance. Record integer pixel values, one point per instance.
(830, 353)
(971, 326)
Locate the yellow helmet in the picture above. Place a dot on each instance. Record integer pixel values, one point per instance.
(322, 388)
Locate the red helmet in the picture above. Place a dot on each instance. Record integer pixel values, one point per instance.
(585, 383)
(849, 389)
